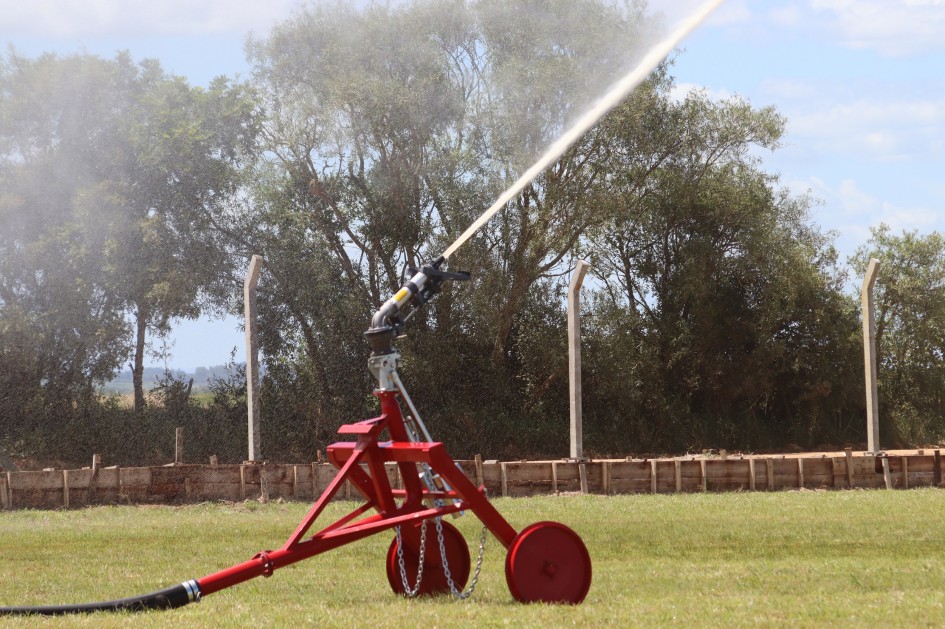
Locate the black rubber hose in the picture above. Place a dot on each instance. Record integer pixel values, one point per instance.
(169, 598)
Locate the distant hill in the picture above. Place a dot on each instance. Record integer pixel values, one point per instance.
(122, 382)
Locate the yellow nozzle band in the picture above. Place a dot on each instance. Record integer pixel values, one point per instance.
(401, 295)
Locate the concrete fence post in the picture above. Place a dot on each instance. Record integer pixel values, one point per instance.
(574, 359)
(252, 357)
(179, 445)
(869, 357)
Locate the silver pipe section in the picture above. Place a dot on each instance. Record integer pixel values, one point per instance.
(393, 305)
(413, 409)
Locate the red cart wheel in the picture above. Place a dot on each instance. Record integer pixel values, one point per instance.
(434, 579)
(547, 562)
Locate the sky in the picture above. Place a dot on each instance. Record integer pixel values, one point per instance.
(860, 82)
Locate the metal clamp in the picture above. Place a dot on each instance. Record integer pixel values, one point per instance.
(268, 567)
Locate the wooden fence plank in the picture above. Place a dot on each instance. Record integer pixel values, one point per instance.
(528, 478)
(887, 477)
(178, 483)
(938, 468)
(921, 470)
(629, 477)
(264, 483)
(833, 472)
(728, 474)
(785, 473)
(492, 476)
(819, 473)
(37, 490)
(849, 457)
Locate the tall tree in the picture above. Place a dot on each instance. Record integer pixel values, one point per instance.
(61, 330)
(383, 153)
(173, 178)
(722, 298)
(142, 166)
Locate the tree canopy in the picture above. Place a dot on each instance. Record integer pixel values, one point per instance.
(115, 177)
(364, 142)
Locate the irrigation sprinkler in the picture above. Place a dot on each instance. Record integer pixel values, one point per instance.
(545, 561)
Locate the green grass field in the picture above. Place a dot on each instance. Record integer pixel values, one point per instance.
(740, 559)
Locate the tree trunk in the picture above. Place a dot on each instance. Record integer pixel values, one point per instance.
(137, 371)
(518, 289)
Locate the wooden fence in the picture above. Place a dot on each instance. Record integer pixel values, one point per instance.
(196, 483)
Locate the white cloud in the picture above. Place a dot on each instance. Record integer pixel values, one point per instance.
(893, 28)
(890, 27)
(851, 210)
(855, 201)
(872, 128)
(781, 89)
(681, 90)
(731, 12)
(790, 15)
(116, 18)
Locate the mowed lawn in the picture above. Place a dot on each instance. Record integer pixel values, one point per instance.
(838, 558)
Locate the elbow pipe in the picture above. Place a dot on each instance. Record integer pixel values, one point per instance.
(382, 318)
(380, 336)
(168, 598)
(385, 325)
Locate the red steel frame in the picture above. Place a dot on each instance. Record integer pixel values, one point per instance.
(375, 486)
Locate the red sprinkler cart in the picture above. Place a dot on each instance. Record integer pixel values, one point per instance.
(545, 561)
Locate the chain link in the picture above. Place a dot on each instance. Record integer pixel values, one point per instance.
(464, 594)
(460, 594)
(411, 592)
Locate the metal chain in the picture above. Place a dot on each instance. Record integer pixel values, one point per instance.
(411, 592)
(461, 595)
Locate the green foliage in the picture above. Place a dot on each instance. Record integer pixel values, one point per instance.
(382, 155)
(68, 435)
(115, 177)
(720, 320)
(60, 330)
(367, 141)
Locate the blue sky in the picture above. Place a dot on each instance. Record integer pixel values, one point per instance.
(861, 83)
